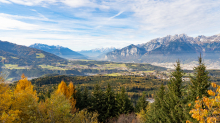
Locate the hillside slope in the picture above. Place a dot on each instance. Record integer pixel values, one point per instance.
(59, 51)
(16, 54)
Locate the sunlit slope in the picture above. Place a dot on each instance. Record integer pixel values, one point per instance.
(16, 54)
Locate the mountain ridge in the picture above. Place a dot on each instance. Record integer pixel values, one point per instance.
(170, 48)
(60, 51)
(17, 54)
(97, 53)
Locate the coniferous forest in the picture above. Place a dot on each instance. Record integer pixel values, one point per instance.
(112, 99)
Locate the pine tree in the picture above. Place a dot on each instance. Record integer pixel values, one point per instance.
(159, 112)
(86, 100)
(110, 103)
(141, 103)
(198, 87)
(78, 97)
(98, 102)
(168, 106)
(174, 97)
(200, 82)
(124, 104)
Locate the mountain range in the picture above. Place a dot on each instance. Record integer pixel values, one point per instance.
(60, 51)
(16, 54)
(169, 49)
(96, 53)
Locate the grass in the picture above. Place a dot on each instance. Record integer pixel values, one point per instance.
(113, 66)
(113, 74)
(189, 74)
(134, 65)
(9, 79)
(13, 66)
(148, 71)
(49, 67)
(40, 55)
(14, 57)
(2, 57)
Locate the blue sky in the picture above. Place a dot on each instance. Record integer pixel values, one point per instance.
(89, 24)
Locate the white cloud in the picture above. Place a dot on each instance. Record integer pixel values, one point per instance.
(27, 2)
(5, 1)
(76, 3)
(74, 41)
(11, 24)
(71, 3)
(18, 17)
(176, 15)
(135, 21)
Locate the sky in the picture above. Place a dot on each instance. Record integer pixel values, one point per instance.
(89, 24)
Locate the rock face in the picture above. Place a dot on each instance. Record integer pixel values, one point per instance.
(59, 51)
(169, 49)
(130, 52)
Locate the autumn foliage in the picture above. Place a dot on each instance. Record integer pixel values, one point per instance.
(69, 92)
(21, 104)
(207, 110)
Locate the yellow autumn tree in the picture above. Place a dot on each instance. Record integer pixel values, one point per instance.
(55, 109)
(84, 116)
(72, 92)
(7, 115)
(69, 92)
(142, 115)
(25, 100)
(207, 110)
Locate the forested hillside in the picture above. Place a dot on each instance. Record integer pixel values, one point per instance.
(21, 55)
(134, 85)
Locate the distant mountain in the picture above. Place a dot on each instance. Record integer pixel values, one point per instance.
(169, 49)
(129, 53)
(16, 54)
(96, 53)
(59, 51)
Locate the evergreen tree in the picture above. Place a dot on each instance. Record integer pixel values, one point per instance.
(174, 97)
(124, 104)
(141, 103)
(78, 97)
(98, 102)
(86, 101)
(159, 112)
(200, 82)
(110, 101)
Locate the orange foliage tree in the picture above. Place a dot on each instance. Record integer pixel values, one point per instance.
(25, 100)
(7, 115)
(69, 91)
(207, 109)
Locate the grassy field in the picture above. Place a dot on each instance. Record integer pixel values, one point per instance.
(113, 74)
(40, 55)
(3, 58)
(14, 66)
(49, 67)
(14, 57)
